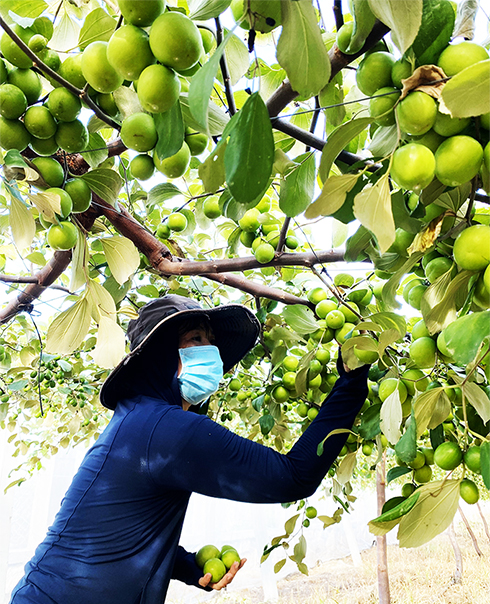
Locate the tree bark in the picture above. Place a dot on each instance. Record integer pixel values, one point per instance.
(381, 543)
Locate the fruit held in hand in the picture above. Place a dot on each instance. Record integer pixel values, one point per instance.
(217, 569)
(207, 552)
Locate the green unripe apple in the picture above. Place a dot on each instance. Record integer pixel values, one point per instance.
(138, 132)
(158, 88)
(175, 41)
(97, 70)
(129, 51)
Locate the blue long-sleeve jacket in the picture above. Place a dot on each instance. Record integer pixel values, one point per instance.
(115, 538)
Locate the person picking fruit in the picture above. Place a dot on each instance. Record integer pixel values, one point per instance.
(116, 536)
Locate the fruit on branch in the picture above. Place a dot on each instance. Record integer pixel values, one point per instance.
(66, 203)
(63, 105)
(416, 113)
(128, 51)
(142, 166)
(50, 170)
(71, 70)
(261, 15)
(381, 107)
(469, 491)
(196, 141)
(97, 70)
(458, 160)
(11, 51)
(28, 81)
(80, 194)
(39, 122)
(13, 101)
(413, 167)
(401, 70)
(471, 249)
(175, 41)
(62, 236)
(445, 125)
(374, 72)
(13, 134)
(138, 132)
(457, 57)
(423, 352)
(177, 222)
(176, 165)
(448, 456)
(72, 137)
(140, 13)
(158, 88)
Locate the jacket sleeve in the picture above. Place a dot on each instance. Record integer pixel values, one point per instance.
(195, 454)
(186, 570)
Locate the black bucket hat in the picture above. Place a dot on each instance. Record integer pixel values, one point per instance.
(234, 326)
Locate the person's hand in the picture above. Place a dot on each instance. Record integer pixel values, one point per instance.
(205, 581)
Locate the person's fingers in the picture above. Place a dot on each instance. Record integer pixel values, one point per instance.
(204, 581)
(229, 576)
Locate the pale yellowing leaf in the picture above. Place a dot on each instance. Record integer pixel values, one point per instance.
(478, 399)
(391, 416)
(403, 17)
(22, 223)
(426, 238)
(332, 196)
(110, 348)
(372, 207)
(432, 514)
(67, 331)
(79, 262)
(346, 467)
(102, 303)
(122, 257)
(429, 407)
(66, 32)
(48, 204)
(455, 99)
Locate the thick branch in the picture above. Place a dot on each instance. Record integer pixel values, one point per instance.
(82, 94)
(338, 60)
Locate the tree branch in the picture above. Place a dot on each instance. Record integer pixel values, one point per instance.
(82, 94)
(230, 99)
(337, 13)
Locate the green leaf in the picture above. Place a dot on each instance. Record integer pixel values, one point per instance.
(122, 257)
(301, 381)
(300, 549)
(249, 154)
(237, 59)
(403, 17)
(298, 186)
(455, 95)
(356, 244)
(170, 130)
(390, 287)
(477, 399)
(290, 524)
(266, 423)
(150, 291)
(370, 427)
(432, 514)
(202, 10)
(65, 37)
(372, 207)
(363, 24)
(21, 222)
(79, 262)
(465, 335)
(67, 331)
(431, 408)
(105, 183)
(485, 463)
(397, 472)
(98, 25)
(23, 8)
(332, 196)
(301, 50)
(346, 467)
(159, 194)
(279, 565)
(435, 32)
(384, 141)
(300, 318)
(401, 215)
(333, 94)
(395, 514)
(217, 118)
(14, 159)
(338, 141)
(201, 87)
(127, 101)
(443, 298)
(212, 170)
(96, 150)
(390, 320)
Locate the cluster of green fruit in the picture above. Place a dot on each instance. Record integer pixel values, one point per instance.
(434, 143)
(447, 457)
(216, 562)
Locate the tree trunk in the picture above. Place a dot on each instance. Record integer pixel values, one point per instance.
(381, 547)
(458, 572)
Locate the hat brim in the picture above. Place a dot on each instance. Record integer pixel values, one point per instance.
(234, 326)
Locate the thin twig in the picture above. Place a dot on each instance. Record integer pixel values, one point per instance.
(224, 70)
(337, 13)
(470, 531)
(485, 525)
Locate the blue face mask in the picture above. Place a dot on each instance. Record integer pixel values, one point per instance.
(202, 371)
